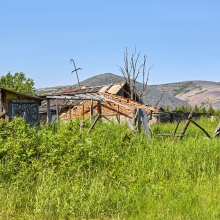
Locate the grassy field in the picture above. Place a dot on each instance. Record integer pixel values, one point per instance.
(58, 172)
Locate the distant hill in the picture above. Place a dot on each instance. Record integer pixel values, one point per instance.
(107, 78)
(201, 93)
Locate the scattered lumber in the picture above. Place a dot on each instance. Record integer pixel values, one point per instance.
(170, 135)
(3, 114)
(217, 131)
(193, 123)
(130, 125)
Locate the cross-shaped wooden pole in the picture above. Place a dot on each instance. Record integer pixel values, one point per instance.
(75, 70)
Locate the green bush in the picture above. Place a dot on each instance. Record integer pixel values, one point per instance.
(58, 172)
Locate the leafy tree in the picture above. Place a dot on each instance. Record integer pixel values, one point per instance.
(183, 108)
(211, 110)
(217, 112)
(187, 109)
(176, 108)
(18, 83)
(179, 108)
(203, 110)
(196, 108)
(167, 108)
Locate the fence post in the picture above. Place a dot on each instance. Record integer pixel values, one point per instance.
(57, 110)
(134, 116)
(91, 110)
(48, 111)
(139, 120)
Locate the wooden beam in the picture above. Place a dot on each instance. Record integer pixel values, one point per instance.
(70, 112)
(100, 107)
(96, 118)
(194, 123)
(91, 110)
(108, 114)
(170, 135)
(57, 110)
(81, 125)
(71, 97)
(139, 119)
(109, 100)
(177, 125)
(146, 126)
(186, 124)
(48, 111)
(134, 117)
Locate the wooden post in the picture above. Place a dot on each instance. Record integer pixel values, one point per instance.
(186, 124)
(134, 116)
(96, 118)
(70, 112)
(100, 107)
(151, 115)
(57, 110)
(177, 126)
(81, 125)
(139, 120)
(48, 111)
(146, 126)
(118, 109)
(91, 110)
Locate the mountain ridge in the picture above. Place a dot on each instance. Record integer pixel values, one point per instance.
(150, 96)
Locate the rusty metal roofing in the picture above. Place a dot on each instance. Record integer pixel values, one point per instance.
(70, 90)
(112, 88)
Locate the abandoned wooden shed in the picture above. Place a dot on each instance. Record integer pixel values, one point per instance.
(113, 99)
(19, 104)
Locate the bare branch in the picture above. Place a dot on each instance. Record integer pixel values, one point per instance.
(159, 100)
(131, 73)
(145, 83)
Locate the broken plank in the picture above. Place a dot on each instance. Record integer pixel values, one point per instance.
(96, 119)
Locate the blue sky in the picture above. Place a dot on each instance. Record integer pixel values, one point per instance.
(181, 38)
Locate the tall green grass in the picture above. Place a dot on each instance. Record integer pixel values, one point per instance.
(57, 172)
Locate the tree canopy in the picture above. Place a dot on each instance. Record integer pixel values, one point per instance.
(18, 83)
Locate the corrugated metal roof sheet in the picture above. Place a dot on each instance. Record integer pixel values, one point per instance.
(70, 90)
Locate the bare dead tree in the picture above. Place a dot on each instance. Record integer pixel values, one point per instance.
(75, 70)
(131, 73)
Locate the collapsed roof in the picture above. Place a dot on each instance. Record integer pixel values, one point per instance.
(106, 93)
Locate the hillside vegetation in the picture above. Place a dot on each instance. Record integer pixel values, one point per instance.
(57, 172)
(200, 93)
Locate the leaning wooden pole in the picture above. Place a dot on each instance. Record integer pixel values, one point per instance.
(182, 115)
(186, 124)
